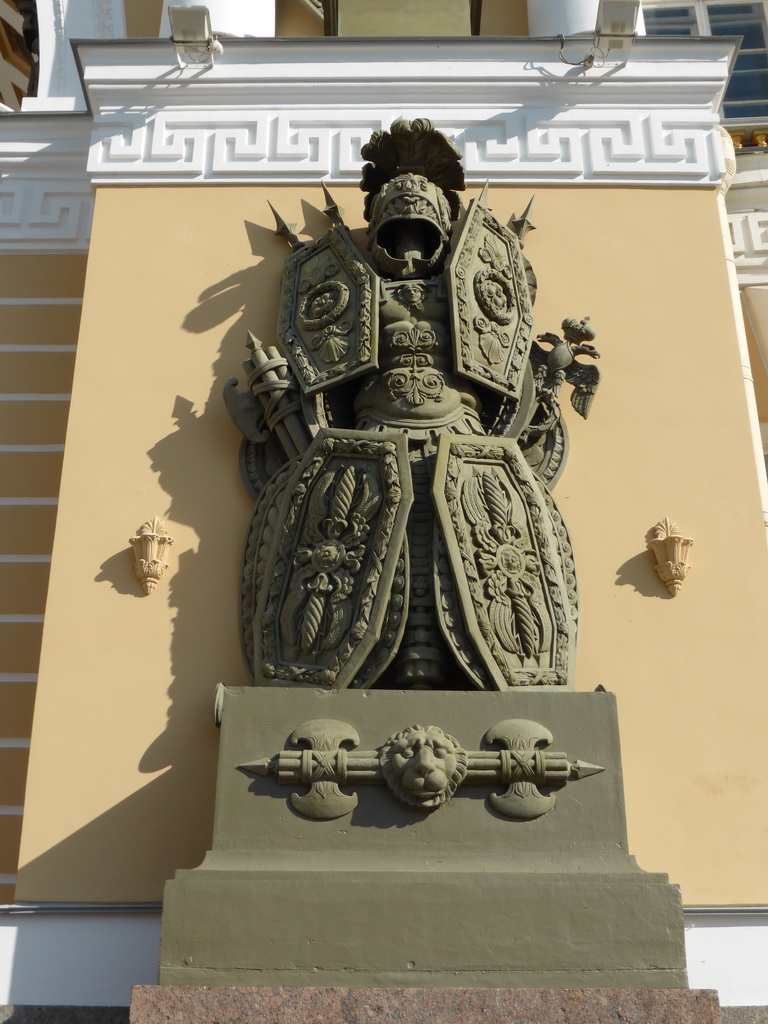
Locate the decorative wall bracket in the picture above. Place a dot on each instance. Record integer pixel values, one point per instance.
(423, 766)
(150, 544)
(670, 549)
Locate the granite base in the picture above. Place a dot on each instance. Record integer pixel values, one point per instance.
(177, 1004)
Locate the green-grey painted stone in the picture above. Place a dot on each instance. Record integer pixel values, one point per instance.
(391, 896)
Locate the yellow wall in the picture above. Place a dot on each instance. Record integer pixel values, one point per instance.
(28, 371)
(123, 755)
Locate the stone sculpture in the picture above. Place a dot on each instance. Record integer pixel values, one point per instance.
(423, 766)
(401, 441)
(400, 445)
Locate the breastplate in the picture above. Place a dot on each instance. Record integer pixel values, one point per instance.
(415, 389)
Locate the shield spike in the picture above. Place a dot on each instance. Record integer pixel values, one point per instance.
(583, 769)
(483, 200)
(285, 230)
(332, 210)
(522, 225)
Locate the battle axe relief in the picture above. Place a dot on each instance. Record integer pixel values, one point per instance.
(423, 767)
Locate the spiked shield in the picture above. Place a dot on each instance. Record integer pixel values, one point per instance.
(329, 324)
(506, 564)
(325, 600)
(490, 303)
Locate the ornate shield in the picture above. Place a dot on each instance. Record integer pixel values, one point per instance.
(329, 321)
(326, 590)
(506, 563)
(491, 308)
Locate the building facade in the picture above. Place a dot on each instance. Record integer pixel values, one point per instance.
(137, 249)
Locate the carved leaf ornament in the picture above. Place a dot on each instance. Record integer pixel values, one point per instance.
(512, 573)
(326, 591)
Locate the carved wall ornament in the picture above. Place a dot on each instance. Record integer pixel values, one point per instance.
(400, 443)
(150, 545)
(670, 549)
(423, 767)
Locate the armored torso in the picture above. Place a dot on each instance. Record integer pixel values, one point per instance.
(415, 390)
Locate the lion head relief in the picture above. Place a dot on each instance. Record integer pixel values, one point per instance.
(423, 766)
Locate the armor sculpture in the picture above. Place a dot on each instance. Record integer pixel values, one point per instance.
(400, 444)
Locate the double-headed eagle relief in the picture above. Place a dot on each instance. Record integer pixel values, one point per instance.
(400, 442)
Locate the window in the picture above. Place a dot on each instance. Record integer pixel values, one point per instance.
(747, 93)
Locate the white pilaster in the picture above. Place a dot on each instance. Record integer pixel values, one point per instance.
(61, 21)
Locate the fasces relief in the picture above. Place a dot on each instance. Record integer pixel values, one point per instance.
(423, 767)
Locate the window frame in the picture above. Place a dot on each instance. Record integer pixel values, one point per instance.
(703, 28)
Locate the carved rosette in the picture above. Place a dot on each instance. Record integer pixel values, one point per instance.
(329, 312)
(491, 307)
(513, 575)
(325, 596)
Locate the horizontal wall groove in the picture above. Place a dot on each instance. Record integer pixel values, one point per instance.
(29, 501)
(48, 349)
(31, 448)
(40, 302)
(28, 397)
(23, 559)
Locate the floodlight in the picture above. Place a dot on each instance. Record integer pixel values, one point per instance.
(616, 24)
(191, 35)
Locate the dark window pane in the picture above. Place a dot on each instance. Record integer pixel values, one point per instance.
(751, 61)
(670, 21)
(745, 20)
(751, 85)
(739, 111)
(732, 10)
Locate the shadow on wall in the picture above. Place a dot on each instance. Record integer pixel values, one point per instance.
(214, 570)
(204, 591)
(638, 572)
(64, 1015)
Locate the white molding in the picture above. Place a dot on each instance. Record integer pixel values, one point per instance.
(60, 21)
(299, 110)
(747, 205)
(45, 195)
(280, 111)
(93, 959)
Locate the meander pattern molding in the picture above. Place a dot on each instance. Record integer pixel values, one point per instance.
(249, 120)
(535, 144)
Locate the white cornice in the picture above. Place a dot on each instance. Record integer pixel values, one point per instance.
(298, 110)
(45, 193)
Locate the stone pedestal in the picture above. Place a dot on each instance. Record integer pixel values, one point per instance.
(394, 897)
(192, 1005)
